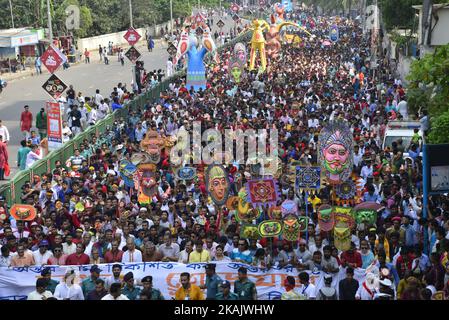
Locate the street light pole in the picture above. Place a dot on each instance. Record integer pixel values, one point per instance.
(131, 14)
(50, 28)
(12, 16)
(171, 16)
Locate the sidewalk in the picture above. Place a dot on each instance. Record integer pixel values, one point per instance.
(94, 57)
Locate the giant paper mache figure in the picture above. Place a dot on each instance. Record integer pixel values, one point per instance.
(188, 44)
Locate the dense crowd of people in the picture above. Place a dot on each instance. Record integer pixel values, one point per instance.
(88, 215)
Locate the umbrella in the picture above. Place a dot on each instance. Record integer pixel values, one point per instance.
(369, 205)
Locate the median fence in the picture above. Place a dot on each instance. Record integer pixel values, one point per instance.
(13, 190)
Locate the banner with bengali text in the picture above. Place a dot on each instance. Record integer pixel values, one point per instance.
(17, 283)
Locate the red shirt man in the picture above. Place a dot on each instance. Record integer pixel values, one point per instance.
(79, 257)
(113, 255)
(26, 120)
(351, 258)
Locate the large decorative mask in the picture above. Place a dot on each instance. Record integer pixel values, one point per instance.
(367, 216)
(24, 212)
(335, 151)
(270, 229)
(145, 182)
(152, 144)
(345, 216)
(342, 237)
(325, 217)
(290, 228)
(217, 184)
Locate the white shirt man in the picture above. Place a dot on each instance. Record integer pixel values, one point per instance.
(31, 158)
(68, 249)
(307, 291)
(73, 292)
(41, 258)
(66, 134)
(39, 296)
(4, 132)
(98, 98)
(132, 256)
(103, 110)
(111, 297)
(93, 116)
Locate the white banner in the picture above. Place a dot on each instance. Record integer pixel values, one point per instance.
(17, 283)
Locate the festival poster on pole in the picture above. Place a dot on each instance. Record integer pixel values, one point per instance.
(54, 126)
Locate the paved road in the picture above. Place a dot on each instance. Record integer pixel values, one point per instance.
(84, 77)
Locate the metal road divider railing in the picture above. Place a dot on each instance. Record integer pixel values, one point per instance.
(13, 190)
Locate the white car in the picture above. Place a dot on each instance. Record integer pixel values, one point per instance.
(401, 130)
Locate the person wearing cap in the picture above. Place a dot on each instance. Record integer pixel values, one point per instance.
(42, 255)
(226, 293)
(328, 292)
(150, 292)
(188, 291)
(243, 287)
(68, 289)
(290, 292)
(41, 293)
(89, 284)
(129, 289)
(50, 283)
(212, 282)
(385, 291)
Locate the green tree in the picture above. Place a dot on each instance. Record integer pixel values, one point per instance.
(429, 87)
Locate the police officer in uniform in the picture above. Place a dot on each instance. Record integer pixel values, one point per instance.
(243, 287)
(226, 293)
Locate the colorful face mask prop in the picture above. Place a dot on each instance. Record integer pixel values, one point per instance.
(262, 192)
(335, 151)
(365, 216)
(289, 207)
(344, 215)
(342, 237)
(240, 53)
(326, 218)
(249, 231)
(290, 228)
(235, 69)
(258, 44)
(196, 71)
(127, 170)
(275, 213)
(23, 212)
(217, 184)
(270, 229)
(152, 144)
(186, 173)
(145, 182)
(248, 214)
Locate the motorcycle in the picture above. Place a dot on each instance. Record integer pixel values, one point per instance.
(3, 85)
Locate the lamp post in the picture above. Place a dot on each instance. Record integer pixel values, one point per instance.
(171, 17)
(131, 14)
(12, 16)
(50, 28)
